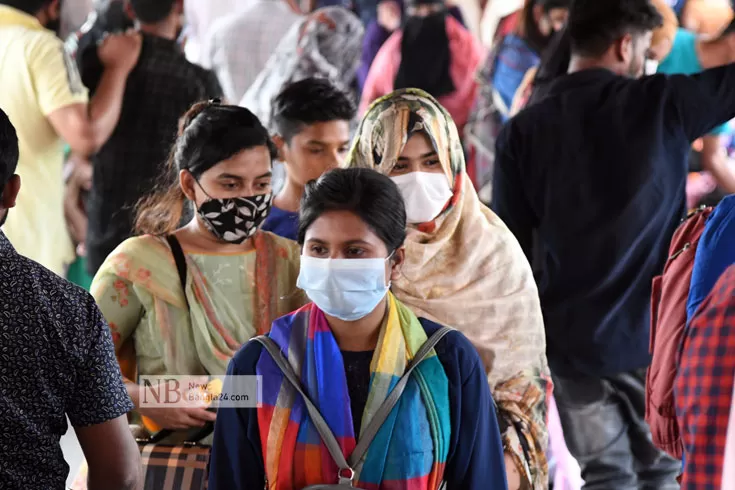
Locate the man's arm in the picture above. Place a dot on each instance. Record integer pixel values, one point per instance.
(508, 193)
(112, 455)
(702, 101)
(98, 405)
(86, 127)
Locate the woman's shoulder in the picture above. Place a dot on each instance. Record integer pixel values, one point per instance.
(149, 244)
(245, 359)
(140, 252)
(456, 353)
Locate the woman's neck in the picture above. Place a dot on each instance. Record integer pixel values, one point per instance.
(196, 238)
(361, 335)
(289, 199)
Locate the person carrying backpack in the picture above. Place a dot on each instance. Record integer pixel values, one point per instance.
(701, 250)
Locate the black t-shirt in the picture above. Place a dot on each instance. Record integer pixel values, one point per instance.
(56, 360)
(597, 172)
(357, 371)
(159, 90)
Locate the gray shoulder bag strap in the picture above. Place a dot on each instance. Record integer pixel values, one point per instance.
(346, 472)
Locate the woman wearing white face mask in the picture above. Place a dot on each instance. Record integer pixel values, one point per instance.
(463, 267)
(348, 350)
(182, 300)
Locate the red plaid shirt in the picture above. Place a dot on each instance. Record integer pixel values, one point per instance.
(704, 386)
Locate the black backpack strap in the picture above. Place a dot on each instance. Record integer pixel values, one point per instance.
(180, 260)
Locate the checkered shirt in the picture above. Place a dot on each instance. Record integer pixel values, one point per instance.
(704, 386)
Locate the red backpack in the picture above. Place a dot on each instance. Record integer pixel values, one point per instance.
(668, 328)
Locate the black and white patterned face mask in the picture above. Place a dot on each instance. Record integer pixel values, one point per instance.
(235, 219)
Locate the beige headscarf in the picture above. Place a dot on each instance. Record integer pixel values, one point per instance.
(466, 269)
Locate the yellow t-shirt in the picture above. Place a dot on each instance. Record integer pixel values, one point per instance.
(37, 78)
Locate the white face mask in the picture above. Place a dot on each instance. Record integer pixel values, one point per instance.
(348, 289)
(651, 67)
(425, 195)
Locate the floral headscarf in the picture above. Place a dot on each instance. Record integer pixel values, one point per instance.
(466, 270)
(326, 44)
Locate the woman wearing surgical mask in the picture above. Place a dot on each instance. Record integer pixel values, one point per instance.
(463, 267)
(432, 51)
(236, 279)
(348, 349)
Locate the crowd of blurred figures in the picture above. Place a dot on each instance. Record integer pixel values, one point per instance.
(309, 191)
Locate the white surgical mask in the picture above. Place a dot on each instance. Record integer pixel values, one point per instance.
(651, 67)
(425, 194)
(348, 289)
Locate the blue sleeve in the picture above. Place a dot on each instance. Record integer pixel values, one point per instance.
(236, 461)
(475, 460)
(715, 253)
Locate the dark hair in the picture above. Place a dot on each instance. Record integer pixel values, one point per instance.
(152, 11)
(528, 28)
(554, 63)
(28, 6)
(309, 101)
(372, 196)
(210, 133)
(594, 25)
(8, 150)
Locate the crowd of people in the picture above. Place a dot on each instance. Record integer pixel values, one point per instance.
(456, 251)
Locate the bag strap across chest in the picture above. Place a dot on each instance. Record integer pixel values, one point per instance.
(346, 472)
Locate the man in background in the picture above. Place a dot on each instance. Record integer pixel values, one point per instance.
(160, 90)
(591, 181)
(47, 103)
(239, 45)
(57, 360)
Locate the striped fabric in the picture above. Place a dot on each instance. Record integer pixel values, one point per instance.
(174, 467)
(410, 449)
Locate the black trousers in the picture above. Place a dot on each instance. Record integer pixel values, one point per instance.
(605, 430)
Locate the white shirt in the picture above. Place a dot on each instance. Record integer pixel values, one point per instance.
(200, 16)
(239, 46)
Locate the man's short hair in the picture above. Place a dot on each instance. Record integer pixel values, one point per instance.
(594, 25)
(309, 101)
(28, 6)
(8, 150)
(152, 11)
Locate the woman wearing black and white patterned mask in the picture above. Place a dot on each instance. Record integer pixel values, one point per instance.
(236, 278)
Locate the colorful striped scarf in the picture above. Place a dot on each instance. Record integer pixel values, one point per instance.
(410, 449)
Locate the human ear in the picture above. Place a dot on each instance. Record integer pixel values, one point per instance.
(396, 263)
(10, 192)
(187, 184)
(624, 49)
(280, 146)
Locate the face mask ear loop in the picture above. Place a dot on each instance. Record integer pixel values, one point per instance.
(390, 256)
(200, 186)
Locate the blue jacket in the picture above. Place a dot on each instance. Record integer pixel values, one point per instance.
(475, 460)
(715, 253)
